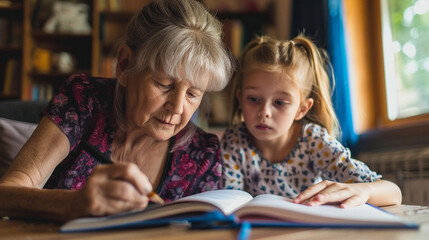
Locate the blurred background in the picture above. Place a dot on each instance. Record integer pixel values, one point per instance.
(378, 49)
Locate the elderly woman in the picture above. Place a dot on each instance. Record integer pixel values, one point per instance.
(139, 121)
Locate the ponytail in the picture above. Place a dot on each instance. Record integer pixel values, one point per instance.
(322, 111)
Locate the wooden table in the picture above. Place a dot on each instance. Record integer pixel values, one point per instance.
(19, 229)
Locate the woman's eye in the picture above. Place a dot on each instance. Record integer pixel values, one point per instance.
(192, 94)
(164, 86)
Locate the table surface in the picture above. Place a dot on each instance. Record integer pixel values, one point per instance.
(20, 229)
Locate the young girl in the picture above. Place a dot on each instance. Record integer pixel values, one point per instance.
(286, 144)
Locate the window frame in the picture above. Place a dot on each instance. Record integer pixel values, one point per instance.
(363, 23)
(382, 15)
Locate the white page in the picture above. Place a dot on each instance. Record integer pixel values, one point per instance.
(227, 200)
(274, 205)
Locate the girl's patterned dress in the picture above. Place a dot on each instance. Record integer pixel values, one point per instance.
(316, 156)
(83, 110)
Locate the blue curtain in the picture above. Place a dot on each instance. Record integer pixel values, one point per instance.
(337, 51)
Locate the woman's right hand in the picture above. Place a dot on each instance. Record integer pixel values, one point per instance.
(114, 188)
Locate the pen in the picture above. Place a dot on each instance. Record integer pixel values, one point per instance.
(245, 230)
(155, 198)
(106, 160)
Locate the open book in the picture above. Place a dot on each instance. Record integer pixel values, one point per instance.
(237, 206)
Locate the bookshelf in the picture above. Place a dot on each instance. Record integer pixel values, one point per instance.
(242, 21)
(50, 55)
(114, 16)
(52, 50)
(93, 52)
(11, 20)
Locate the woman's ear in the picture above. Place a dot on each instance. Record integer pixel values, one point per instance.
(125, 55)
(304, 108)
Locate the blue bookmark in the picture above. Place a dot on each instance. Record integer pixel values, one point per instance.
(245, 230)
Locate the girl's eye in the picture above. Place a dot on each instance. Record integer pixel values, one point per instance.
(253, 99)
(280, 103)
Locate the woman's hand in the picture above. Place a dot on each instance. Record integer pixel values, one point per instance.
(347, 194)
(114, 188)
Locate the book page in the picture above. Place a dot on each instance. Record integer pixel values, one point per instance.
(281, 208)
(227, 200)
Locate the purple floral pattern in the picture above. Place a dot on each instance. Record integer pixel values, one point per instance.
(83, 110)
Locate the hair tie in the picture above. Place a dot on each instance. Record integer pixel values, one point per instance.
(292, 42)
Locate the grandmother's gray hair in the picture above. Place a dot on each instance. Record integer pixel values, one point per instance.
(170, 36)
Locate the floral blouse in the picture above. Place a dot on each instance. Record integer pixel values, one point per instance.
(316, 156)
(83, 110)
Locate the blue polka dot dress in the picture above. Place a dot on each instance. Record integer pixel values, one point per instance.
(317, 156)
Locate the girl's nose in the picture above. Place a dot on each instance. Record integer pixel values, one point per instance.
(264, 112)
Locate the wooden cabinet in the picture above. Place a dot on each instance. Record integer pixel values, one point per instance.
(11, 21)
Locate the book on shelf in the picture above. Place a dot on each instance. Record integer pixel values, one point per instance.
(5, 3)
(34, 95)
(15, 87)
(113, 5)
(118, 5)
(49, 93)
(8, 76)
(4, 31)
(41, 92)
(236, 5)
(10, 32)
(16, 33)
(41, 60)
(232, 207)
(12, 77)
(111, 31)
(233, 35)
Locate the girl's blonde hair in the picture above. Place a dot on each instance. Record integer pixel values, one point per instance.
(303, 62)
(170, 36)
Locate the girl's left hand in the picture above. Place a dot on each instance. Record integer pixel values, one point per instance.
(347, 194)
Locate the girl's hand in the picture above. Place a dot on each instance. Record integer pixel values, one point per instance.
(347, 194)
(114, 188)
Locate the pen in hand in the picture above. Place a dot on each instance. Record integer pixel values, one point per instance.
(155, 198)
(106, 160)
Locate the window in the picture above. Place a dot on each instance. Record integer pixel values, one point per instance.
(405, 30)
(388, 62)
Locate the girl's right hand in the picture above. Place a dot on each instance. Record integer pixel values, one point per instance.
(114, 188)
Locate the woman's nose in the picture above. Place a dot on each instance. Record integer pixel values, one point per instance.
(176, 101)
